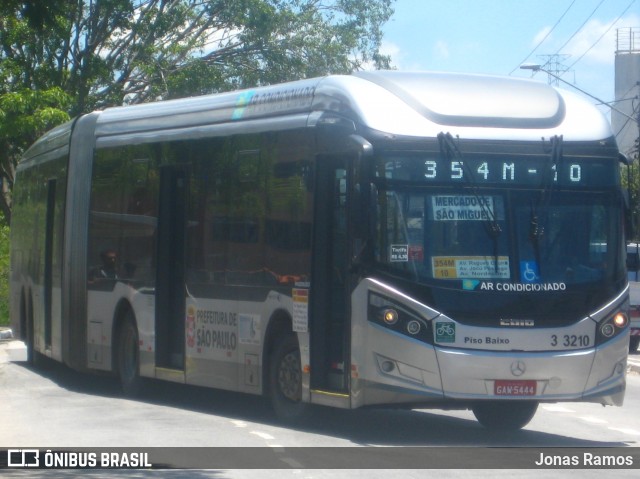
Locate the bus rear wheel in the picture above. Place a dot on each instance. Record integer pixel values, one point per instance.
(34, 358)
(128, 357)
(285, 380)
(504, 415)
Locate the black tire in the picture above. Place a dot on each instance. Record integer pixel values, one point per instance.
(634, 342)
(504, 415)
(128, 357)
(285, 380)
(27, 332)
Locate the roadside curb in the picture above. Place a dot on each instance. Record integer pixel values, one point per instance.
(11, 349)
(5, 334)
(633, 363)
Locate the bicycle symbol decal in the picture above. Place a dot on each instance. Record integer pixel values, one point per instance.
(445, 332)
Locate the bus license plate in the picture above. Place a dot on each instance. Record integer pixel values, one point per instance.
(509, 387)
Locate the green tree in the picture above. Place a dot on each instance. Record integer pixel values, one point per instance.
(4, 274)
(24, 115)
(61, 58)
(630, 176)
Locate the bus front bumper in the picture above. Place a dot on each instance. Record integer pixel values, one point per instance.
(593, 375)
(409, 372)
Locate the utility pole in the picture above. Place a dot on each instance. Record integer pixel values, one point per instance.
(626, 120)
(553, 65)
(627, 90)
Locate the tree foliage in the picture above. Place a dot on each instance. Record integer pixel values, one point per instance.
(631, 181)
(4, 274)
(60, 58)
(24, 114)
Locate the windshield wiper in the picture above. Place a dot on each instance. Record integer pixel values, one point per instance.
(449, 149)
(536, 230)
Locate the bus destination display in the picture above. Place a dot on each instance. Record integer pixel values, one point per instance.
(521, 171)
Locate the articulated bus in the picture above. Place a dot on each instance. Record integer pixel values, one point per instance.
(384, 238)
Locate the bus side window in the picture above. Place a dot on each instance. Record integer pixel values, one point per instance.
(633, 261)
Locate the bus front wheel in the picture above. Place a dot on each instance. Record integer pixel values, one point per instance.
(285, 380)
(128, 357)
(504, 415)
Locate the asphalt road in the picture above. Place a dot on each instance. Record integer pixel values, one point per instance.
(58, 408)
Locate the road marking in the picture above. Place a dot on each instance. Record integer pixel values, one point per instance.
(624, 430)
(593, 420)
(239, 423)
(292, 462)
(263, 435)
(556, 408)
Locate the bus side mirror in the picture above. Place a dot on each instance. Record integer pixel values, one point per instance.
(367, 194)
(624, 159)
(629, 232)
(626, 195)
(362, 215)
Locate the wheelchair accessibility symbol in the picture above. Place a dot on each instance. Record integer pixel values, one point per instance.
(529, 272)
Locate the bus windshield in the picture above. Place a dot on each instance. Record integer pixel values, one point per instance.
(472, 237)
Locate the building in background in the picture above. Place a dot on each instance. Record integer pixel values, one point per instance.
(627, 90)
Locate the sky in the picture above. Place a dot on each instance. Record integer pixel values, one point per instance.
(497, 36)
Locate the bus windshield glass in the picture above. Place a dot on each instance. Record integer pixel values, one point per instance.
(502, 236)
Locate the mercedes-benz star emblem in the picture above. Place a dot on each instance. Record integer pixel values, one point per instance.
(518, 368)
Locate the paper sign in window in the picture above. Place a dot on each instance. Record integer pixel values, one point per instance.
(470, 267)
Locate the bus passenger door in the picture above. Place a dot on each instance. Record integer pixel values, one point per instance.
(329, 325)
(48, 261)
(170, 272)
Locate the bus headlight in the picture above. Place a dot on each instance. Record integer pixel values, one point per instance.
(390, 316)
(620, 320)
(398, 318)
(607, 330)
(611, 327)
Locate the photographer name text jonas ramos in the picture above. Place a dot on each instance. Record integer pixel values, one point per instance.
(584, 459)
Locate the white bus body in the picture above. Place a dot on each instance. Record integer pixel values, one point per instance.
(386, 238)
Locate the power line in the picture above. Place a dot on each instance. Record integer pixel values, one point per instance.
(545, 37)
(624, 97)
(580, 28)
(606, 31)
(624, 125)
